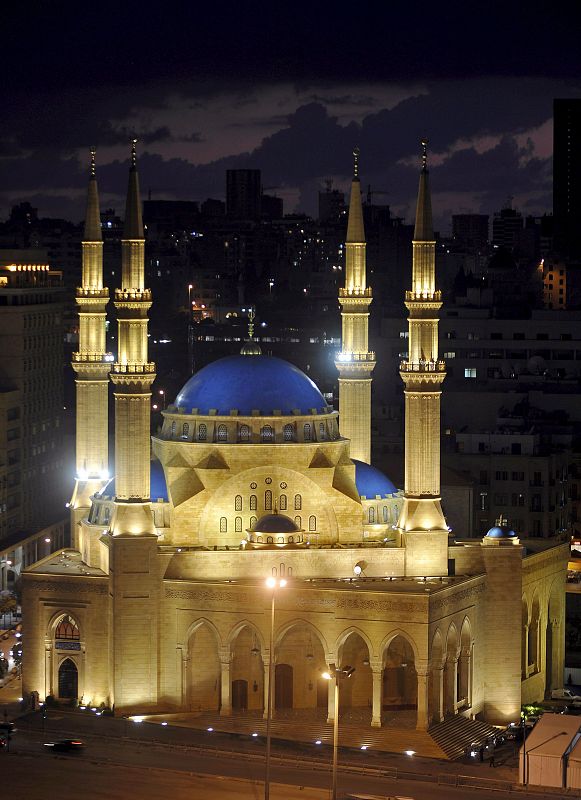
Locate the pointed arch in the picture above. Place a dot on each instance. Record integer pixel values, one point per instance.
(193, 627)
(437, 649)
(387, 640)
(353, 630)
(239, 627)
(288, 626)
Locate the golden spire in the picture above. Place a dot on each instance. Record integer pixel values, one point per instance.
(424, 229)
(133, 228)
(424, 155)
(92, 216)
(251, 347)
(355, 229)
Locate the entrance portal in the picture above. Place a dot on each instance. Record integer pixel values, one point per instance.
(68, 680)
(283, 686)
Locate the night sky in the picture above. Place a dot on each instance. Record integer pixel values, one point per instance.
(289, 88)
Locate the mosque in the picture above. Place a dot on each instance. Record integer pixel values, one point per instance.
(161, 603)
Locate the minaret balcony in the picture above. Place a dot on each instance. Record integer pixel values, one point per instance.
(355, 291)
(134, 368)
(426, 367)
(93, 358)
(83, 291)
(132, 295)
(347, 358)
(424, 297)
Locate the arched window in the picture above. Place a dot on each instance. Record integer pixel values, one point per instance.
(371, 515)
(244, 433)
(268, 500)
(67, 629)
(307, 432)
(267, 433)
(282, 502)
(185, 430)
(269, 540)
(322, 432)
(238, 524)
(223, 525)
(312, 523)
(288, 432)
(202, 432)
(298, 502)
(291, 539)
(385, 514)
(253, 502)
(298, 522)
(173, 429)
(222, 433)
(238, 502)
(253, 522)
(280, 540)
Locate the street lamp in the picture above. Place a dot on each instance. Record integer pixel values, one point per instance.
(273, 584)
(523, 719)
(337, 675)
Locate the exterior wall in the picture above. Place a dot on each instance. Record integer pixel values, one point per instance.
(45, 600)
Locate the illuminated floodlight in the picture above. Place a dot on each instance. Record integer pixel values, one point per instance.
(82, 708)
(210, 730)
(20, 699)
(327, 676)
(318, 741)
(364, 747)
(271, 583)
(357, 569)
(254, 735)
(93, 709)
(137, 719)
(164, 723)
(99, 714)
(410, 752)
(47, 540)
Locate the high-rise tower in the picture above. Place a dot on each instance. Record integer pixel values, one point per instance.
(421, 521)
(355, 363)
(91, 363)
(132, 373)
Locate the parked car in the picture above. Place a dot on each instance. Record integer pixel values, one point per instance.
(66, 745)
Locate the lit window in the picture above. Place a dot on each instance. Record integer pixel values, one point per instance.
(470, 372)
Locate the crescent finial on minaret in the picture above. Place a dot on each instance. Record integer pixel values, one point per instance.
(134, 152)
(93, 154)
(356, 153)
(424, 154)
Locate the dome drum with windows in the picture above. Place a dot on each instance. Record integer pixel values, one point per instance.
(228, 400)
(274, 531)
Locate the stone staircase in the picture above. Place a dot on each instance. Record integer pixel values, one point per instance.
(311, 728)
(457, 733)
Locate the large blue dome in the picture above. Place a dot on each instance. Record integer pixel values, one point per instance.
(251, 383)
(371, 482)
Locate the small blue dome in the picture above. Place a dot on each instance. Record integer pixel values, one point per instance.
(498, 532)
(371, 482)
(158, 490)
(251, 383)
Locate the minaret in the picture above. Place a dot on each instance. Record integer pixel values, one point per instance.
(133, 562)
(421, 521)
(91, 364)
(132, 373)
(355, 363)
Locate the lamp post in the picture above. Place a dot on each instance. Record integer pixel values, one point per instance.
(273, 584)
(337, 675)
(523, 719)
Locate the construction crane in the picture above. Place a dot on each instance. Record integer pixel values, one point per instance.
(371, 192)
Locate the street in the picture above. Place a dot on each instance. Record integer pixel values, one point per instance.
(143, 769)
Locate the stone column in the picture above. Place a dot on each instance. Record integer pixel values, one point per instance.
(438, 673)
(423, 717)
(525, 652)
(225, 682)
(377, 672)
(465, 670)
(331, 700)
(182, 665)
(266, 685)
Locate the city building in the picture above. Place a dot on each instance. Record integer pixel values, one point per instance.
(567, 176)
(31, 363)
(243, 193)
(161, 604)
